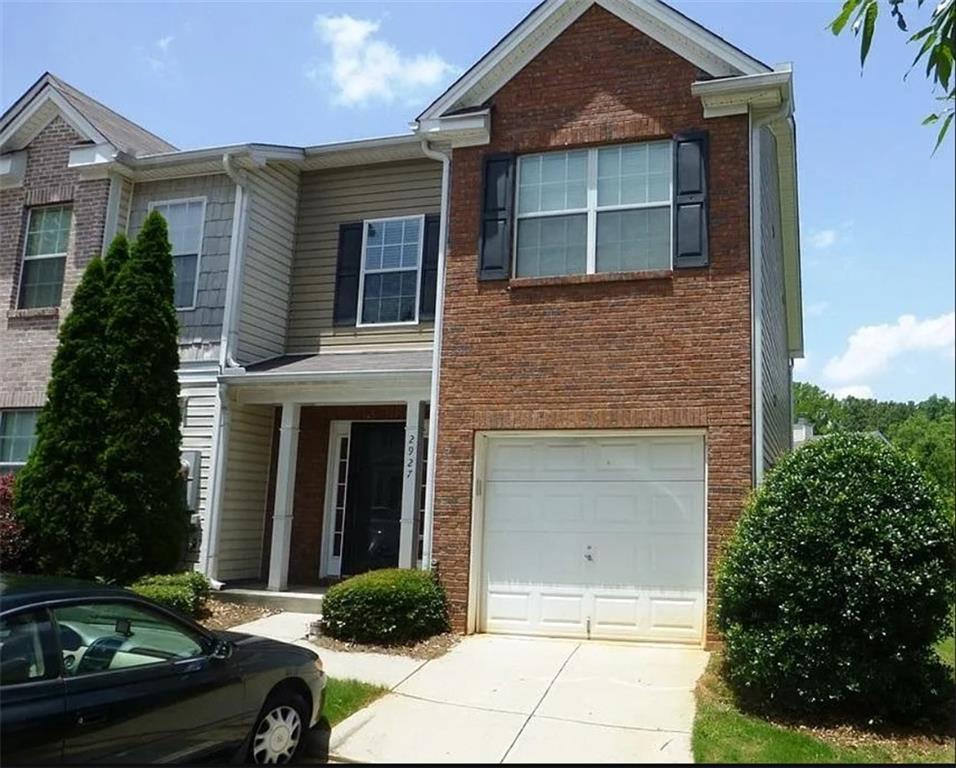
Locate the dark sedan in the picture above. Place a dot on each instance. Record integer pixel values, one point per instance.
(96, 674)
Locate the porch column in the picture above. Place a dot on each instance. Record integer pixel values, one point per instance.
(411, 461)
(285, 493)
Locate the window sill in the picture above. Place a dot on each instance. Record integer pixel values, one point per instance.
(35, 313)
(600, 277)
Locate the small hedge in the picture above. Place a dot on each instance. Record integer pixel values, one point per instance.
(837, 585)
(184, 592)
(389, 607)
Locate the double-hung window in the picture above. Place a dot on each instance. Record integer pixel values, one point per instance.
(391, 270)
(606, 209)
(17, 437)
(184, 218)
(44, 256)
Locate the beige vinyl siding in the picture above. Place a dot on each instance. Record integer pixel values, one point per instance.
(775, 362)
(267, 269)
(125, 205)
(245, 485)
(197, 431)
(332, 197)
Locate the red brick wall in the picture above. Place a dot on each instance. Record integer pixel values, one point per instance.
(28, 337)
(664, 352)
(309, 501)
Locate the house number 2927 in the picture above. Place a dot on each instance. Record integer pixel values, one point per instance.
(410, 454)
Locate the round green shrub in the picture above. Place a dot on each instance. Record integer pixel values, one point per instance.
(389, 607)
(838, 583)
(184, 592)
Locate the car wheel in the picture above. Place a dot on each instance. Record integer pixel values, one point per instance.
(280, 730)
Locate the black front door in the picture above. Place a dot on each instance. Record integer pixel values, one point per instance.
(373, 507)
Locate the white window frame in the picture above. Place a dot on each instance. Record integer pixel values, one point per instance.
(418, 271)
(24, 258)
(592, 209)
(330, 564)
(202, 236)
(10, 466)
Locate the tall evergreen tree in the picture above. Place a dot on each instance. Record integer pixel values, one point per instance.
(57, 487)
(116, 257)
(142, 457)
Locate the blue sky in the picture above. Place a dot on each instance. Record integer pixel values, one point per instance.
(877, 210)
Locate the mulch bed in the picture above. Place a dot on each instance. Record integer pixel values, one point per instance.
(431, 648)
(218, 614)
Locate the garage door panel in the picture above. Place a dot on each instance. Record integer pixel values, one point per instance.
(600, 535)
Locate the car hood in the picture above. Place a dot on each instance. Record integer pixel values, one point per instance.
(264, 650)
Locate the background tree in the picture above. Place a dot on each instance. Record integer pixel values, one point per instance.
(142, 454)
(56, 488)
(934, 45)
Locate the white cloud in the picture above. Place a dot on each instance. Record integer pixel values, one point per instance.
(871, 348)
(861, 391)
(158, 56)
(363, 68)
(824, 238)
(817, 308)
(801, 365)
(163, 43)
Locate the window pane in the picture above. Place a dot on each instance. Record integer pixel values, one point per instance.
(556, 181)
(184, 222)
(26, 650)
(17, 435)
(99, 637)
(184, 268)
(631, 241)
(390, 297)
(554, 245)
(49, 231)
(42, 282)
(634, 174)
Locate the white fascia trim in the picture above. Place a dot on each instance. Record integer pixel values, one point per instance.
(48, 93)
(258, 379)
(379, 142)
(655, 19)
(13, 166)
(740, 95)
(466, 130)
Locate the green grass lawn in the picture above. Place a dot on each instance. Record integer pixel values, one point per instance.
(343, 697)
(724, 734)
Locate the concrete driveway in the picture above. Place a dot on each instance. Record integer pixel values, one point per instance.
(496, 699)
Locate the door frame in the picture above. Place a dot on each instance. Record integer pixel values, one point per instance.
(329, 565)
(482, 445)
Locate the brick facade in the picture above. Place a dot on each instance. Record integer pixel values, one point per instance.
(309, 500)
(28, 337)
(652, 352)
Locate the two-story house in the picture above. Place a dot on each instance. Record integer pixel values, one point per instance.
(541, 344)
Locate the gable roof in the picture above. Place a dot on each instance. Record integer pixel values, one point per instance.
(708, 51)
(96, 122)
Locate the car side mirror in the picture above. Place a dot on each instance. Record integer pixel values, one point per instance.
(222, 649)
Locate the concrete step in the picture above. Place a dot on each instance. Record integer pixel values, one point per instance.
(298, 602)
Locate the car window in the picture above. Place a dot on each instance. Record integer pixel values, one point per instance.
(26, 648)
(107, 636)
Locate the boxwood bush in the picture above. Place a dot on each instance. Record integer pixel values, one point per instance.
(390, 607)
(838, 583)
(184, 592)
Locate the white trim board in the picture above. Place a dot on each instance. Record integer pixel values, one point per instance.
(542, 26)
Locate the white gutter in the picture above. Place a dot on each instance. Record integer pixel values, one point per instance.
(427, 561)
(756, 281)
(209, 554)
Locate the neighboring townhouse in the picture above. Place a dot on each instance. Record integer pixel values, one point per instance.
(542, 344)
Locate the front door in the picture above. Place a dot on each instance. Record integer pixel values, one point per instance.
(374, 504)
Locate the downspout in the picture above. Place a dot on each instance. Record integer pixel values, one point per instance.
(227, 351)
(756, 281)
(445, 159)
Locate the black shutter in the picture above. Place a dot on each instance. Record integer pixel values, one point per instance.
(690, 200)
(347, 270)
(497, 204)
(426, 297)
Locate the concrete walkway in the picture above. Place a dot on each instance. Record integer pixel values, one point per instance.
(494, 699)
(499, 699)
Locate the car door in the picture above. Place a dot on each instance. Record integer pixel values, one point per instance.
(142, 686)
(32, 703)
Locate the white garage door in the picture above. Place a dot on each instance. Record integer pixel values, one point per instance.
(599, 537)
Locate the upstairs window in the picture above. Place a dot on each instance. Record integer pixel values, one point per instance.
(44, 256)
(606, 209)
(184, 218)
(391, 267)
(17, 438)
